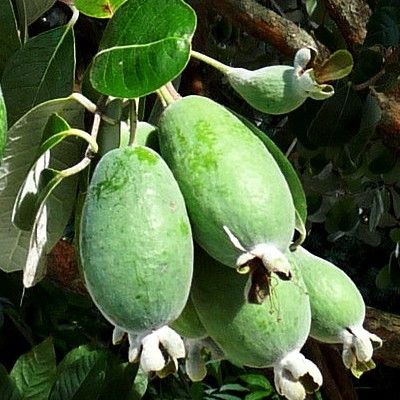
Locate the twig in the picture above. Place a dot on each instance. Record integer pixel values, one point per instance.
(267, 25)
(351, 17)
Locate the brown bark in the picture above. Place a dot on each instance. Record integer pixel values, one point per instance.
(387, 327)
(266, 25)
(351, 17)
(337, 379)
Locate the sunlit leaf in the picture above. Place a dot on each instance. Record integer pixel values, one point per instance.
(137, 54)
(43, 69)
(337, 66)
(98, 8)
(24, 140)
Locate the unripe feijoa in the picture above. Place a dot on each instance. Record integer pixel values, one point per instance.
(237, 198)
(337, 309)
(136, 246)
(270, 334)
(279, 89)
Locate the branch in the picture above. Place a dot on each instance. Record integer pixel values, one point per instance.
(351, 17)
(387, 326)
(267, 25)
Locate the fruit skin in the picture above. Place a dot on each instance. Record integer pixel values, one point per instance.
(279, 89)
(3, 124)
(188, 323)
(135, 241)
(250, 334)
(228, 178)
(266, 335)
(336, 303)
(272, 90)
(337, 309)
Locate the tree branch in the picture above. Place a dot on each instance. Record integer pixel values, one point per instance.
(351, 17)
(267, 25)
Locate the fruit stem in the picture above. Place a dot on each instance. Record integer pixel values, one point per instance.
(165, 96)
(133, 119)
(211, 61)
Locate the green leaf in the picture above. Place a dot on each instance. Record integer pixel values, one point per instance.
(337, 66)
(3, 124)
(98, 8)
(139, 385)
(81, 379)
(261, 395)
(20, 7)
(24, 140)
(43, 69)
(338, 120)
(234, 387)
(377, 210)
(35, 8)
(36, 192)
(9, 37)
(257, 381)
(119, 379)
(343, 216)
(311, 5)
(8, 389)
(109, 135)
(145, 45)
(394, 268)
(34, 372)
(288, 171)
(383, 27)
(225, 396)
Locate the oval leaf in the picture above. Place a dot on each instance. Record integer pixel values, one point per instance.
(9, 37)
(8, 388)
(338, 120)
(98, 8)
(34, 372)
(337, 66)
(24, 140)
(49, 61)
(139, 54)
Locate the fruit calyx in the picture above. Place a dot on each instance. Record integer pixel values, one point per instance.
(295, 376)
(358, 348)
(157, 351)
(259, 262)
(306, 78)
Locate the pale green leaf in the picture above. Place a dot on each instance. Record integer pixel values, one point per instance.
(34, 372)
(337, 66)
(138, 54)
(98, 8)
(9, 38)
(24, 140)
(43, 69)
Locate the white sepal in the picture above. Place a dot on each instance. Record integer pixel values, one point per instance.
(171, 341)
(151, 358)
(292, 376)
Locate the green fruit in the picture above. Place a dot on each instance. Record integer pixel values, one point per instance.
(135, 243)
(188, 323)
(3, 124)
(337, 309)
(237, 198)
(145, 135)
(279, 89)
(196, 342)
(270, 334)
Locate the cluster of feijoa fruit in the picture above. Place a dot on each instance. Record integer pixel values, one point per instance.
(251, 299)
